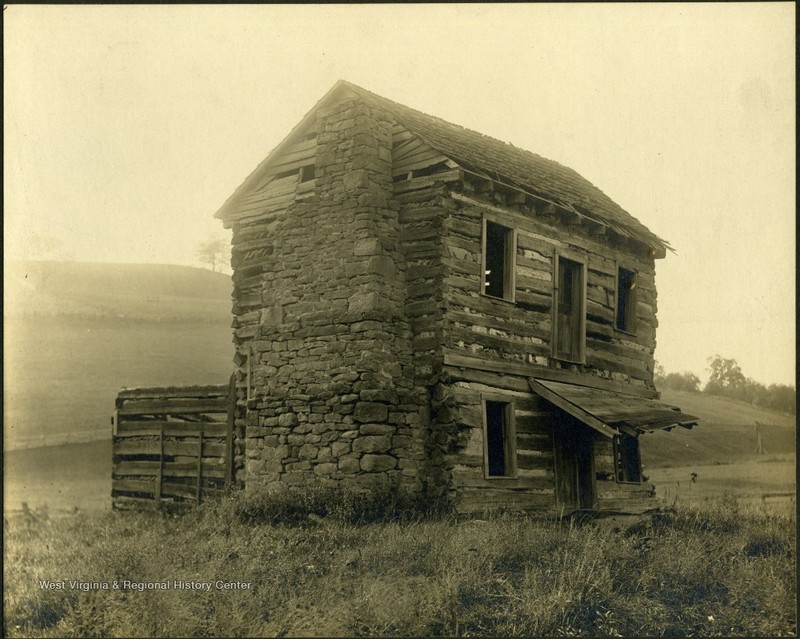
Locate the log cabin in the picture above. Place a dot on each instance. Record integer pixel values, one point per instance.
(419, 305)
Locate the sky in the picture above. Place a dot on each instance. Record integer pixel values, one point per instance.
(126, 128)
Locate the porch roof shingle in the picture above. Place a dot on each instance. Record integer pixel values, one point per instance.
(610, 412)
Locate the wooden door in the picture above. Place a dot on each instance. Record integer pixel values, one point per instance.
(574, 467)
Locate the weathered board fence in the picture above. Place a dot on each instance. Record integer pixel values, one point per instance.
(172, 446)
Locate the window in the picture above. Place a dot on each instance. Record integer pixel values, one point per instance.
(626, 300)
(307, 173)
(499, 248)
(570, 310)
(627, 463)
(500, 447)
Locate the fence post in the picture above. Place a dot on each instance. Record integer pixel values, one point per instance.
(160, 477)
(229, 433)
(199, 466)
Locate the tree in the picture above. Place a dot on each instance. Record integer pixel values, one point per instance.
(685, 381)
(659, 374)
(728, 380)
(782, 397)
(726, 377)
(213, 251)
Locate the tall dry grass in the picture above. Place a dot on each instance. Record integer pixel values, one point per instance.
(383, 567)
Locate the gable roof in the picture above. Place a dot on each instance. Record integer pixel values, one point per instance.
(488, 156)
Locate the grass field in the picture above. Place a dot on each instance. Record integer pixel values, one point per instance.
(770, 483)
(60, 477)
(151, 292)
(62, 374)
(720, 571)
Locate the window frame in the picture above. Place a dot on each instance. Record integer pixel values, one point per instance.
(580, 358)
(509, 436)
(307, 173)
(628, 330)
(510, 257)
(618, 452)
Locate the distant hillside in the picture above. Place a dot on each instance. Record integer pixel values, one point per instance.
(75, 333)
(725, 435)
(153, 292)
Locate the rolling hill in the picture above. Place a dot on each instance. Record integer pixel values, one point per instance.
(75, 333)
(145, 292)
(725, 435)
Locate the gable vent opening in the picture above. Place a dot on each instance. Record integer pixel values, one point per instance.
(439, 167)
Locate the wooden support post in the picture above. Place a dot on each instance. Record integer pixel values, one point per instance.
(759, 444)
(199, 467)
(114, 426)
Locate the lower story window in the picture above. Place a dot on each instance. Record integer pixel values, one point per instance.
(627, 462)
(500, 446)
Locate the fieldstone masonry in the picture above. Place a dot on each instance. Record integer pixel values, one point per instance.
(333, 393)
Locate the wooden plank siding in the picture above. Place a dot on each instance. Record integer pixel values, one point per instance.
(612, 495)
(532, 486)
(420, 237)
(173, 444)
(416, 166)
(278, 188)
(520, 332)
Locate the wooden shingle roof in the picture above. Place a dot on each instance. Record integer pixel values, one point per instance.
(515, 166)
(487, 156)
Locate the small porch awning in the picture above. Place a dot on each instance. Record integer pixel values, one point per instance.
(610, 412)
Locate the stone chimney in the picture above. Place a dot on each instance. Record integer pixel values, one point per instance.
(333, 395)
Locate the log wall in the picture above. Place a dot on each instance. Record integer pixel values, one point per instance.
(520, 332)
(612, 495)
(533, 487)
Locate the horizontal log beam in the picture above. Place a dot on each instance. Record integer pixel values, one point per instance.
(170, 406)
(452, 358)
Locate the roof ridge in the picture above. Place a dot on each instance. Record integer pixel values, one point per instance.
(619, 216)
(458, 126)
(520, 167)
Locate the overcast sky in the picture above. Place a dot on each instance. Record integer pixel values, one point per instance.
(126, 127)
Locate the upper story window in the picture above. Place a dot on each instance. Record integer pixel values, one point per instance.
(626, 300)
(569, 326)
(500, 445)
(499, 249)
